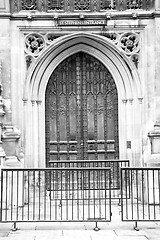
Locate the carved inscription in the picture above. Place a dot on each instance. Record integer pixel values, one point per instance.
(81, 22)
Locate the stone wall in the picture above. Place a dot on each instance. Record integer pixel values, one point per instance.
(141, 112)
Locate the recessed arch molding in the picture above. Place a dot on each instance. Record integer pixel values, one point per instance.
(121, 67)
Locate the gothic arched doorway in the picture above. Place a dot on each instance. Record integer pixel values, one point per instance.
(81, 105)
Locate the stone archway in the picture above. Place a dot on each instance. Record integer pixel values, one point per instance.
(126, 79)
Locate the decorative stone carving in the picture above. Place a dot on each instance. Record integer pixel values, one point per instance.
(50, 37)
(82, 4)
(134, 4)
(107, 4)
(29, 4)
(55, 5)
(79, 5)
(34, 44)
(129, 43)
(29, 60)
(113, 36)
(135, 59)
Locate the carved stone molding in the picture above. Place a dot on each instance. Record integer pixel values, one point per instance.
(126, 42)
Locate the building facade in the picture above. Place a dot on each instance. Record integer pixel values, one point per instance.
(79, 80)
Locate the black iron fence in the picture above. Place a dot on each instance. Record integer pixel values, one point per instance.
(113, 164)
(73, 193)
(142, 185)
(59, 194)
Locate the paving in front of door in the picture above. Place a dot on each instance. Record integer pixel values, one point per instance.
(114, 230)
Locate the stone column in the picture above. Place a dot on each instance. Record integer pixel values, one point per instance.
(154, 134)
(2, 113)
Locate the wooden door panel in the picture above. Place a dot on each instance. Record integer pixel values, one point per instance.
(81, 111)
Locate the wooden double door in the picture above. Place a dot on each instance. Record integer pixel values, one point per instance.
(81, 115)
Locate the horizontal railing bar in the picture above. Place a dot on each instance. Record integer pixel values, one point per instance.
(88, 161)
(57, 169)
(140, 168)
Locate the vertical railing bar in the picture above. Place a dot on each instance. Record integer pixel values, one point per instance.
(1, 210)
(34, 183)
(126, 192)
(44, 189)
(6, 194)
(50, 194)
(88, 194)
(69, 185)
(122, 170)
(83, 190)
(148, 191)
(72, 194)
(39, 200)
(94, 192)
(143, 193)
(154, 194)
(99, 193)
(105, 195)
(28, 193)
(110, 193)
(17, 194)
(78, 184)
(56, 173)
(61, 189)
(137, 194)
(159, 187)
(11, 194)
(131, 172)
(66, 192)
(23, 196)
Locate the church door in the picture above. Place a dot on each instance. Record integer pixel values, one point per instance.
(81, 115)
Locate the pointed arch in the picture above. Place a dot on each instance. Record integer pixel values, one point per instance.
(119, 65)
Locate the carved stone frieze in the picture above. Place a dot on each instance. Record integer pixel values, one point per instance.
(79, 5)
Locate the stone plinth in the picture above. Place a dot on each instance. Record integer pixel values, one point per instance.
(10, 136)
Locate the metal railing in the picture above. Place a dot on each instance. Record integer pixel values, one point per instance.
(113, 164)
(59, 194)
(140, 194)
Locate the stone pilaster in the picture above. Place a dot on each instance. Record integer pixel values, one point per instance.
(154, 134)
